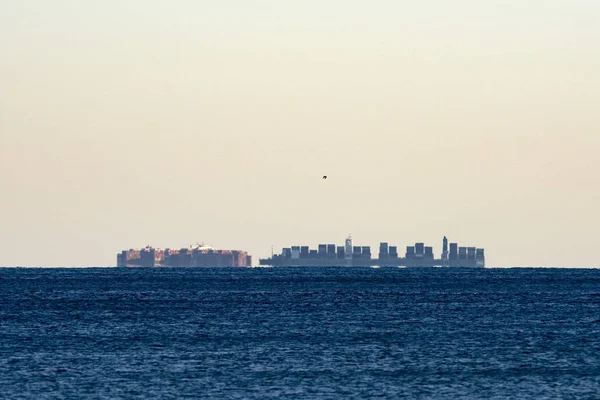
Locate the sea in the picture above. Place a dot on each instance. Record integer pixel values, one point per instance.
(299, 333)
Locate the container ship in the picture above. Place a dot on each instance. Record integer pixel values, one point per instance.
(419, 255)
(194, 256)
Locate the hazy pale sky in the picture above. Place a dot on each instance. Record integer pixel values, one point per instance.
(132, 122)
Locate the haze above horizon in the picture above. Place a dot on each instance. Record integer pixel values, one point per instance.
(126, 123)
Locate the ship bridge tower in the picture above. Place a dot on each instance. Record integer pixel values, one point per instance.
(445, 251)
(348, 251)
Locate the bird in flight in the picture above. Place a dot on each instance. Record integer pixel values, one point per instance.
(324, 176)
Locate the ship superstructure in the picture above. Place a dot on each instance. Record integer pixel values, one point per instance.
(417, 255)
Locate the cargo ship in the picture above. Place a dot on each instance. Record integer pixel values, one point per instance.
(198, 255)
(419, 255)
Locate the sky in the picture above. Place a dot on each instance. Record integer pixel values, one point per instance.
(127, 123)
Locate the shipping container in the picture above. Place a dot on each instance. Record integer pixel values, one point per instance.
(331, 249)
(419, 248)
(429, 252)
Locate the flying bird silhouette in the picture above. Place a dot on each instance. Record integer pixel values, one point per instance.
(324, 176)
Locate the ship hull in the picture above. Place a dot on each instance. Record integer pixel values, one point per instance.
(399, 262)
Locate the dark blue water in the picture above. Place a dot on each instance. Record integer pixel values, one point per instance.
(311, 333)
